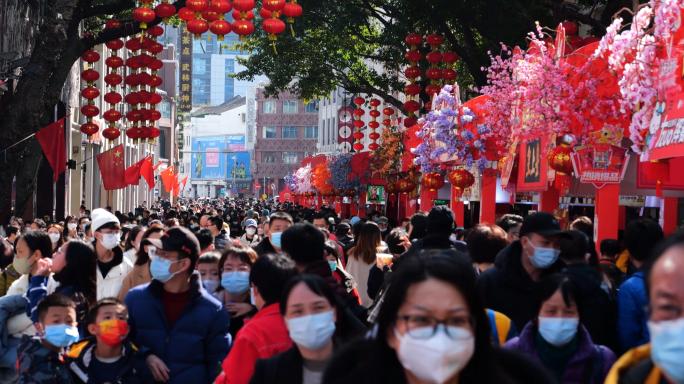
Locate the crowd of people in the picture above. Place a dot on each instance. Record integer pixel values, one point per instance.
(241, 291)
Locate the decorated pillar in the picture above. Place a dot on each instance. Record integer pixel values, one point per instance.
(607, 212)
(488, 197)
(669, 212)
(427, 199)
(549, 200)
(458, 208)
(362, 205)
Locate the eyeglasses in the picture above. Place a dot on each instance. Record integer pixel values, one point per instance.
(424, 327)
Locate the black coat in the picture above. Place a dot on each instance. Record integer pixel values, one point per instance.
(509, 289)
(368, 362)
(284, 368)
(264, 247)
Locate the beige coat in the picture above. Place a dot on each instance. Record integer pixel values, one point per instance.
(138, 276)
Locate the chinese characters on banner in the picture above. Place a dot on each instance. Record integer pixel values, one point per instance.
(185, 99)
(600, 165)
(533, 166)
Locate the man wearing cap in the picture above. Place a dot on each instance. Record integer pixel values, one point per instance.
(509, 287)
(383, 224)
(250, 238)
(112, 266)
(182, 329)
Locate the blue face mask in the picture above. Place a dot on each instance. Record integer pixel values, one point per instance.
(235, 282)
(275, 239)
(667, 347)
(558, 331)
(61, 335)
(210, 285)
(543, 258)
(333, 265)
(159, 269)
(312, 331)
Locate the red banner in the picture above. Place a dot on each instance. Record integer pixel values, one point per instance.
(533, 166)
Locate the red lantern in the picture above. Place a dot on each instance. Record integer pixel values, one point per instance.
(112, 97)
(449, 75)
(143, 15)
(89, 110)
(186, 15)
(112, 24)
(432, 89)
(434, 57)
(412, 72)
(165, 10)
(115, 44)
(89, 128)
(570, 27)
(220, 28)
(273, 5)
(90, 56)
(449, 57)
(560, 161)
(197, 27)
(134, 132)
(359, 101)
(111, 133)
(461, 179)
(243, 5)
(237, 15)
(220, 6)
(113, 79)
(433, 181)
(111, 115)
(411, 106)
(90, 75)
(154, 132)
(273, 27)
(114, 62)
(265, 13)
(210, 16)
(90, 93)
(197, 6)
(413, 39)
(155, 31)
(434, 40)
(292, 10)
(413, 56)
(433, 73)
(405, 185)
(243, 27)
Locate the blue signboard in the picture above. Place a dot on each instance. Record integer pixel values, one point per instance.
(215, 157)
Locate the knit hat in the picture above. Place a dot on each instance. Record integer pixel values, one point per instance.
(100, 217)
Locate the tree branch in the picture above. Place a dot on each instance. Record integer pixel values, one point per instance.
(109, 8)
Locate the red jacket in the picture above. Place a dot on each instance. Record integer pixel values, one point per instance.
(264, 336)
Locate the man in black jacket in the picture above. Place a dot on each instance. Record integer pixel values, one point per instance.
(278, 222)
(509, 287)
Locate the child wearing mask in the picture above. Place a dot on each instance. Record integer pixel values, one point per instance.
(107, 356)
(41, 358)
(208, 267)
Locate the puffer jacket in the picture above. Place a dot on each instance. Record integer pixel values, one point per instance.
(194, 347)
(631, 316)
(636, 367)
(110, 285)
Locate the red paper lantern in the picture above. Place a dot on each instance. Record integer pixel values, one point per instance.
(165, 10)
(115, 44)
(210, 16)
(237, 15)
(413, 56)
(388, 111)
(461, 179)
(112, 24)
(434, 40)
(89, 128)
(154, 99)
(243, 27)
(186, 15)
(90, 75)
(155, 64)
(560, 161)
(197, 27)
(89, 110)
(450, 57)
(434, 57)
(143, 15)
(90, 93)
(405, 185)
(220, 28)
(273, 5)
(432, 89)
(134, 132)
(265, 13)
(112, 97)
(114, 62)
(133, 44)
(111, 115)
(410, 121)
(113, 79)
(90, 56)
(220, 6)
(243, 5)
(154, 132)
(155, 31)
(273, 27)
(411, 106)
(111, 133)
(197, 6)
(292, 10)
(433, 73)
(412, 72)
(359, 101)
(449, 74)
(433, 181)
(413, 39)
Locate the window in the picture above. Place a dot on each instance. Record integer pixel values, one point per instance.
(290, 157)
(199, 66)
(270, 132)
(269, 106)
(311, 132)
(165, 109)
(268, 157)
(289, 132)
(290, 106)
(311, 107)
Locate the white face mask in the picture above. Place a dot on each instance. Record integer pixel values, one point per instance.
(54, 237)
(110, 240)
(439, 357)
(251, 231)
(72, 226)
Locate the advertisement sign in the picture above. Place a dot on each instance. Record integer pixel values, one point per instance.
(533, 167)
(600, 165)
(375, 194)
(235, 142)
(185, 62)
(213, 158)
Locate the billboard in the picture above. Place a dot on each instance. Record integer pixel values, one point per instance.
(185, 84)
(220, 158)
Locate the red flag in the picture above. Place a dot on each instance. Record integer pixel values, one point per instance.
(112, 168)
(169, 179)
(184, 181)
(147, 171)
(132, 173)
(51, 139)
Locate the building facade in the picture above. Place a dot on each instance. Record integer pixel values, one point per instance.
(286, 132)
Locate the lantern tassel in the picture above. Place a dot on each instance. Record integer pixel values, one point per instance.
(562, 182)
(275, 51)
(292, 30)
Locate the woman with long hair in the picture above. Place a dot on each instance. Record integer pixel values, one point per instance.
(132, 243)
(71, 228)
(316, 324)
(140, 274)
(431, 328)
(54, 232)
(235, 266)
(363, 256)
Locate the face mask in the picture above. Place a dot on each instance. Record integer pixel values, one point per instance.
(251, 231)
(235, 282)
(558, 331)
(312, 331)
(110, 240)
(159, 269)
(23, 266)
(438, 358)
(113, 332)
(544, 257)
(667, 347)
(54, 237)
(210, 285)
(72, 226)
(61, 335)
(275, 239)
(333, 265)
